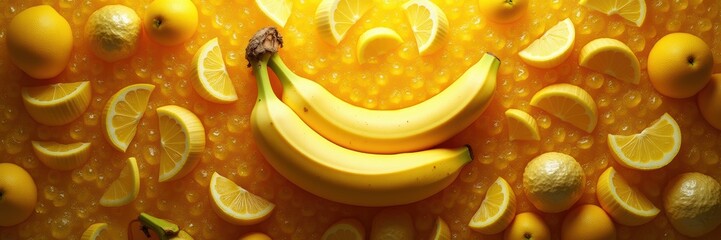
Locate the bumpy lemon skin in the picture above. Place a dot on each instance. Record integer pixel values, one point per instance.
(170, 22)
(553, 182)
(113, 32)
(18, 194)
(692, 202)
(680, 65)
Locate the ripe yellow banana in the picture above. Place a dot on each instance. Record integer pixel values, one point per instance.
(413, 128)
(328, 170)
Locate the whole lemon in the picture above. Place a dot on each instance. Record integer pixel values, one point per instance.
(503, 11)
(680, 65)
(113, 32)
(18, 194)
(709, 101)
(255, 236)
(39, 41)
(588, 222)
(553, 182)
(693, 203)
(527, 226)
(171, 22)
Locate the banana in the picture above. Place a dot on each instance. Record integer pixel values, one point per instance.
(333, 172)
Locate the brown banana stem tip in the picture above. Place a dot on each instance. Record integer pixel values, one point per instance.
(265, 40)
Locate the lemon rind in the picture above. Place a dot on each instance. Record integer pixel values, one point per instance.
(503, 218)
(203, 88)
(618, 208)
(93, 231)
(63, 161)
(132, 166)
(194, 131)
(231, 216)
(553, 60)
(59, 111)
(440, 25)
(108, 118)
(599, 45)
(571, 92)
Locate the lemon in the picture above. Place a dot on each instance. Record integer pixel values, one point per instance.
(521, 126)
(62, 156)
(345, 229)
(570, 103)
(125, 188)
(235, 204)
(170, 22)
(611, 57)
(211, 80)
(113, 32)
(588, 222)
(551, 49)
(18, 194)
(57, 104)
(122, 113)
(692, 202)
(182, 138)
(39, 41)
(553, 182)
(375, 42)
(709, 101)
(441, 231)
(497, 209)
(333, 18)
(255, 236)
(94, 231)
(429, 24)
(392, 223)
(527, 226)
(624, 203)
(277, 10)
(654, 147)
(631, 10)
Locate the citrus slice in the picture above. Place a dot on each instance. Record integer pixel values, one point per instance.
(122, 113)
(497, 209)
(441, 231)
(333, 18)
(429, 25)
(611, 57)
(632, 10)
(94, 231)
(276, 10)
(211, 80)
(624, 203)
(552, 48)
(182, 138)
(235, 204)
(57, 104)
(62, 156)
(346, 229)
(570, 103)
(125, 188)
(375, 42)
(652, 148)
(521, 126)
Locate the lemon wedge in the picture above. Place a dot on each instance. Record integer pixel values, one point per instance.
(570, 103)
(235, 204)
(611, 57)
(94, 231)
(333, 18)
(375, 42)
(57, 104)
(62, 156)
(551, 49)
(521, 126)
(631, 10)
(122, 113)
(654, 147)
(429, 24)
(441, 231)
(345, 229)
(125, 188)
(211, 80)
(277, 10)
(182, 138)
(624, 203)
(497, 209)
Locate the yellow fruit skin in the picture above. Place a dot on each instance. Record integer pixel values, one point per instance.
(588, 222)
(39, 41)
(692, 202)
(613, 208)
(255, 236)
(506, 217)
(503, 11)
(709, 101)
(113, 32)
(58, 114)
(553, 182)
(670, 69)
(526, 225)
(18, 194)
(62, 162)
(349, 223)
(392, 223)
(171, 22)
(441, 231)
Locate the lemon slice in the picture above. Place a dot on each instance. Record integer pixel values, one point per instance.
(632, 10)
(429, 25)
(570, 103)
(211, 80)
(346, 229)
(94, 231)
(276, 10)
(552, 48)
(125, 188)
(235, 204)
(612, 57)
(375, 42)
(182, 138)
(441, 231)
(625, 204)
(497, 209)
(333, 18)
(62, 156)
(652, 148)
(122, 113)
(521, 126)
(57, 104)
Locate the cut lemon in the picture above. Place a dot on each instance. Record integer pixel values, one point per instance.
(429, 24)
(235, 204)
(346, 229)
(125, 188)
(211, 80)
(276, 10)
(375, 42)
(552, 48)
(632, 10)
(334, 18)
(94, 231)
(521, 126)
(612, 57)
(182, 138)
(62, 156)
(624, 203)
(570, 103)
(497, 209)
(441, 231)
(122, 113)
(57, 104)
(652, 148)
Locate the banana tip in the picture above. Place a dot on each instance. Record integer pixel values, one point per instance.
(470, 151)
(494, 55)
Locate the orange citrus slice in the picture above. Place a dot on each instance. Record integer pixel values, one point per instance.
(333, 18)
(654, 147)
(276, 10)
(57, 104)
(235, 204)
(122, 113)
(570, 103)
(211, 80)
(551, 49)
(60, 156)
(346, 229)
(521, 126)
(611, 57)
(125, 188)
(624, 203)
(497, 209)
(429, 24)
(632, 10)
(182, 138)
(94, 231)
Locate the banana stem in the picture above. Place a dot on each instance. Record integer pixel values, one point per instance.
(162, 227)
(260, 70)
(281, 70)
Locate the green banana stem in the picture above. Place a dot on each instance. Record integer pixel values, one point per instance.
(261, 47)
(281, 70)
(260, 70)
(165, 229)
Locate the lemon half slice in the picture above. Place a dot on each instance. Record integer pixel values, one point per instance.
(182, 138)
(277, 10)
(611, 57)
(235, 204)
(551, 49)
(429, 24)
(570, 103)
(211, 80)
(375, 42)
(625, 204)
(57, 104)
(497, 209)
(333, 18)
(521, 126)
(345, 229)
(122, 113)
(125, 188)
(632, 10)
(654, 147)
(60, 156)
(94, 231)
